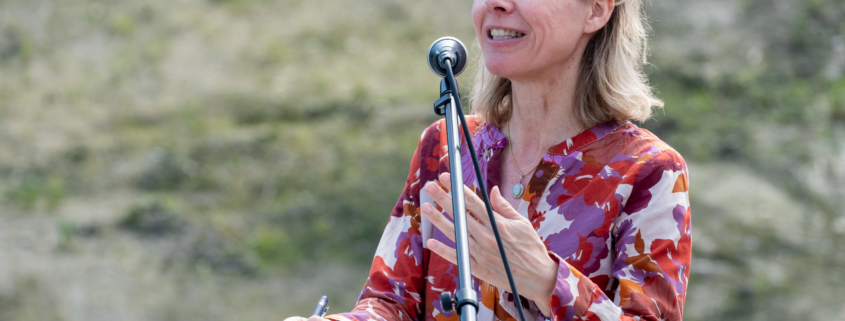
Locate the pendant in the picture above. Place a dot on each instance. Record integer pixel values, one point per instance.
(517, 190)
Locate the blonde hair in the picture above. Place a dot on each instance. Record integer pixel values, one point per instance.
(611, 85)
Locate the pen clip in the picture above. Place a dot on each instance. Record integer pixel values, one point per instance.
(325, 310)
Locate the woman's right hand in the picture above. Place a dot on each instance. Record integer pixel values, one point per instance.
(312, 318)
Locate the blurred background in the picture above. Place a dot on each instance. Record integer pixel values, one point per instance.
(236, 159)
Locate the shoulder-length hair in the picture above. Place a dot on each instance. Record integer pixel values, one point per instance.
(611, 85)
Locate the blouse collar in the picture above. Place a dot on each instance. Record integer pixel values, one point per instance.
(490, 137)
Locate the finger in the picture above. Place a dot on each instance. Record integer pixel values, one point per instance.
(441, 249)
(316, 318)
(449, 254)
(475, 248)
(439, 220)
(439, 196)
(295, 319)
(446, 180)
(480, 225)
(501, 205)
(473, 265)
(478, 235)
(474, 204)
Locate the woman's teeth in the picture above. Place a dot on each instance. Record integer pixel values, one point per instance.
(503, 34)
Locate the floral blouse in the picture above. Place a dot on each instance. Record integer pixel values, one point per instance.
(611, 204)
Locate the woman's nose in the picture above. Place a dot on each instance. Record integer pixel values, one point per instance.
(499, 6)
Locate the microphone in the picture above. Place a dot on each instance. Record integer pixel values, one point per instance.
(447, 48)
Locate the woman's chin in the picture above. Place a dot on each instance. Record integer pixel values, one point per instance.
(503, 68)
(506, 71)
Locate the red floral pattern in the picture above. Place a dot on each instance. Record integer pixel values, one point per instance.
(611, 204)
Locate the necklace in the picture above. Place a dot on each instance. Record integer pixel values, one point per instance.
(518, 188)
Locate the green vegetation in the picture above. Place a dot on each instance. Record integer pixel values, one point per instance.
(241, 147)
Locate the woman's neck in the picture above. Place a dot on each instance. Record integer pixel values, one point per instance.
(542, 113)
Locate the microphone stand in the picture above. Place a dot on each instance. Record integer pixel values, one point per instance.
(466, 299)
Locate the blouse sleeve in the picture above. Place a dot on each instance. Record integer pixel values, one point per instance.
(652, 253)
(395, 286)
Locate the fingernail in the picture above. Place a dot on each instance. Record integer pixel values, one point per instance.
(429, 187)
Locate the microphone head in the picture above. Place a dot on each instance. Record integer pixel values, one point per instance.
(451, 48)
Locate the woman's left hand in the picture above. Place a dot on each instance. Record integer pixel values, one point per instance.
(533, 270)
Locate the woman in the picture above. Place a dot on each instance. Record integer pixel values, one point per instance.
(595, 217)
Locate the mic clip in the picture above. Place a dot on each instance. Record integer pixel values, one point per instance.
(445, 93)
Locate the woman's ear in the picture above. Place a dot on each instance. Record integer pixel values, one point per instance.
(598, 14)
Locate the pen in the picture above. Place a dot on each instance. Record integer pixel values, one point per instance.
(322, 307)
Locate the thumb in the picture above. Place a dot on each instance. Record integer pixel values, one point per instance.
(501, 205)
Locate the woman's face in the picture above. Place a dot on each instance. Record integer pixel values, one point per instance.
(525, 38)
